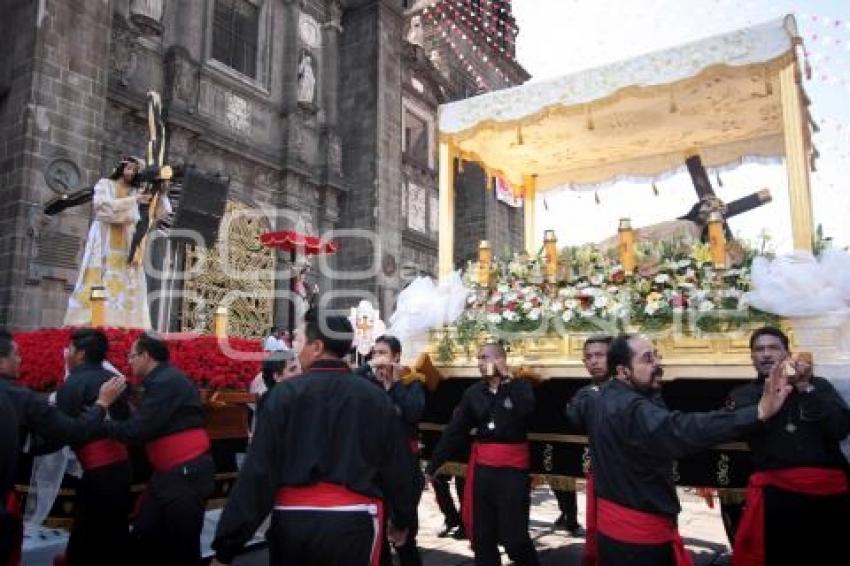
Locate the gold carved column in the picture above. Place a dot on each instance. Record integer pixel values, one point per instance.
(447, 210)
(797, 152)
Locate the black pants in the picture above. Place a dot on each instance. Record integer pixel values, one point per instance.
(321, 538)
(731, 515)
(442, 492)
(101, 527)
(408, 554)
(615, 553)
(500, 515)
(797, 525)
(10, 534)
(568, 505)
(167, 529)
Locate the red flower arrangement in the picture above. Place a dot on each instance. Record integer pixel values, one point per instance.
(201, 358)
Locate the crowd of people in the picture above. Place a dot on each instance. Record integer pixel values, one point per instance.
(334, 456)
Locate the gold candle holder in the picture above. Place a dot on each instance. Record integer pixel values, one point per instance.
(626, 236)
(220, 322)
(717, 239)
(485, 257)
(98, 306)
(550, 253)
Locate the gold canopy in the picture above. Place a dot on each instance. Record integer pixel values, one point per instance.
(728, 98)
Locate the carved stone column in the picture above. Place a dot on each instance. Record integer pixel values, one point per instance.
(330, 71)
(289, 37)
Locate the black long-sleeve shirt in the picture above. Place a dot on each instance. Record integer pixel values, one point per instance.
(634, 440)
(80, 391)
(805, 432)
(170, 404)
(46, 423)
(407, 398)
(8, 446)
(578, 409)
(496, 417)
(327, 425)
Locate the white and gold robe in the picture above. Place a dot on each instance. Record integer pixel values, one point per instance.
(116, 212)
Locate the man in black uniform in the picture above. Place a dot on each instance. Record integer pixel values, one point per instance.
(100, 533)
(408, 399)
(46, 425)
(634, 440)
(328, 455)
(170, 424)
(497, 493)
(9, 524)
(595, 359)
(798, 492)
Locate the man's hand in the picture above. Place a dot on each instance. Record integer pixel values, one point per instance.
(110, 391)
(776, 390)
(802, 379)
(396, 536)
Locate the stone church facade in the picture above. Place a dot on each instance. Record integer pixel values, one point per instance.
(303, 105)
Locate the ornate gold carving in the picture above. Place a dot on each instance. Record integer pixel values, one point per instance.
(723, 470)
(250, 269)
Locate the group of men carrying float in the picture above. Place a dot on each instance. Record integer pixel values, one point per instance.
(334, 456)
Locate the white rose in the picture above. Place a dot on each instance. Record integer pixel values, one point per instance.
(510, 316)
(567, 316)
(600, 302)
(706, 306)
(534, 314)
(662, 278)
(597, 279)
(494, 318)
(650, 308)
(527, 306)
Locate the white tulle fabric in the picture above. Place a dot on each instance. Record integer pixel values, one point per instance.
(424, 305)
(799, 285)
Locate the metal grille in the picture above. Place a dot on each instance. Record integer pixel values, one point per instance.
(56, 249)
(235, 32)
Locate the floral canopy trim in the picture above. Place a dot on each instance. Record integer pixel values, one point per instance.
(719, 97)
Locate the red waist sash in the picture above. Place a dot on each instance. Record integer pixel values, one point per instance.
(638, 527)
(325, 496)
(497, 455)
(591, 549)
(749, 540)
(99, 453)
(13, 508)
(172, 450)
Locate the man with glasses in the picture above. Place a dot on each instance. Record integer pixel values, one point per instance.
(634, 440)
(170, 424)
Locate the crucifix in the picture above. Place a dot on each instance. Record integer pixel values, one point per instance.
(710, 202)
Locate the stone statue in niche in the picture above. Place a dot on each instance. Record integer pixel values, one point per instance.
(306, 79)
(415, 34)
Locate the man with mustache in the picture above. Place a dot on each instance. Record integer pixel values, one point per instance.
(634, 440)
(799, 487)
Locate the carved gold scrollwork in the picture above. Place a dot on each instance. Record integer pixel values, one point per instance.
(548, 451)
(249, 270)
(723, 470)
(585, 459)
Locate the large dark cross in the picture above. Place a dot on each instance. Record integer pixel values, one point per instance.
(709, 201)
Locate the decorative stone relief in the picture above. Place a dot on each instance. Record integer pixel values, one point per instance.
(434, 216)
(309, 32)
(147, 15)
(123, 59)
(237, 113)
(416, 207)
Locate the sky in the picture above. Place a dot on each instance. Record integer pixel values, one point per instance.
(558, 37)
